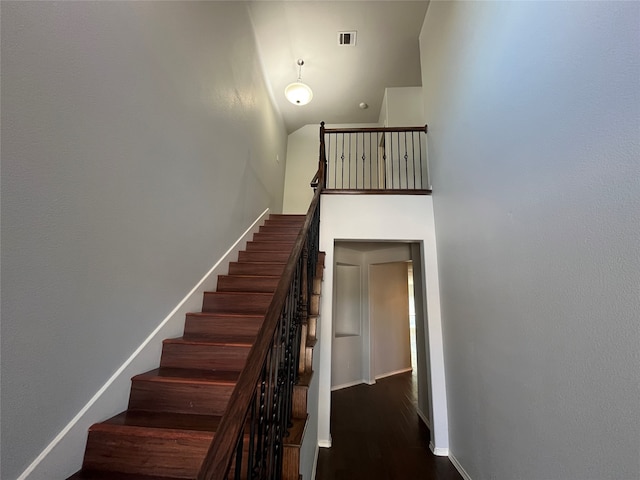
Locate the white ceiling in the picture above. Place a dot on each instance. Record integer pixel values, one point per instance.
(386, 54)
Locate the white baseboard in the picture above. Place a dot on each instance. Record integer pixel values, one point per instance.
(424, 418)
(347, 385)
(324, 443)
(396, 372)
(463, 473)
(64, 454)
(440, 452)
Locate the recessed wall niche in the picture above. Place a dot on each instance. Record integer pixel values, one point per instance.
(348, 300)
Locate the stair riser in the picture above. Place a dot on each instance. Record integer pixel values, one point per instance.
(308, 359)
(204, 356)
(317, 285)
(303, 343)
(247, 284)
(210, 327)
(246, 268)
(299, 406)
(269, 247)
(178, 456)
(283, 230)
(293, 222)
(196, 398)
(271, 257)
(274, 237)
(291, 463)
(223, 302)
(312, 327)
(314, 305)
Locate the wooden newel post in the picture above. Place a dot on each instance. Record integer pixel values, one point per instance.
(322, 166)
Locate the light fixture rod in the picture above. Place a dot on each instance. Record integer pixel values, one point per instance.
(300, 64)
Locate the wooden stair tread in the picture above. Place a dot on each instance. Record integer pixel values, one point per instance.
(162, 420)
(296, 433)
(256, 268)
(248, 283)
(304, 380)
(213, 315)
(187, 375)
(269, 246)
(106, 475)
(237, 302)
(221, 339)
(250, 276)
(229, 341)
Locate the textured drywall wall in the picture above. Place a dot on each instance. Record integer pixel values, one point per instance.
(402, 107)
(389, 317)
(302, 164)
(534, 114)
(138, 142)
(383, 218)
(346, 359)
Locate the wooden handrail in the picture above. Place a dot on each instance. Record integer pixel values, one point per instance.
(221, 452)
(377, 129)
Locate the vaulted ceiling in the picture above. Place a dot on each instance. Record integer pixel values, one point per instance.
(386, 54)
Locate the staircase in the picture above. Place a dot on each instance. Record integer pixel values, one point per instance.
(174, 410)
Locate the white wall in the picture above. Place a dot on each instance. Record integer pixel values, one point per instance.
(534, 115)
(402, 107)
(346, 359)
(138, 142)
(303, 150)
(303, 147)
(389, 317)
(383, 217)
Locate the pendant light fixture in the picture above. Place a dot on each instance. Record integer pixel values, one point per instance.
(297, 92)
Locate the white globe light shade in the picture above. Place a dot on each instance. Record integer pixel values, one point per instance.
(298, 93)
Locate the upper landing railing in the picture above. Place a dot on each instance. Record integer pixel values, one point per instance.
(375, 160)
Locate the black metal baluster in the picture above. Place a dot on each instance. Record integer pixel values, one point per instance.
(391, 154)
(239, 448)
(349, 179)
(327, 148)
(259, 457)
(384, 159)
(413, 157)
(342, 157)
(421, 172)
(377, 147)
(252, 435)
(370, 163)
(356, 165)
(364, 157)
(406, 161)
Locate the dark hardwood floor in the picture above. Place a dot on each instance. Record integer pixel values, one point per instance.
(376, 434)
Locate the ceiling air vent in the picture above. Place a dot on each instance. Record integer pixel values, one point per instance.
(347, 39)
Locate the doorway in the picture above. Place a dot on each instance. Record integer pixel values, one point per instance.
(379, 323)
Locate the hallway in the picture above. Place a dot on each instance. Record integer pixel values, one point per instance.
(376, 434)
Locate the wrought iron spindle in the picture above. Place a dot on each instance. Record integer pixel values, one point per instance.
(342, 157)
(421, 176)
(406, 161)
(413, 158)
(364, 157)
